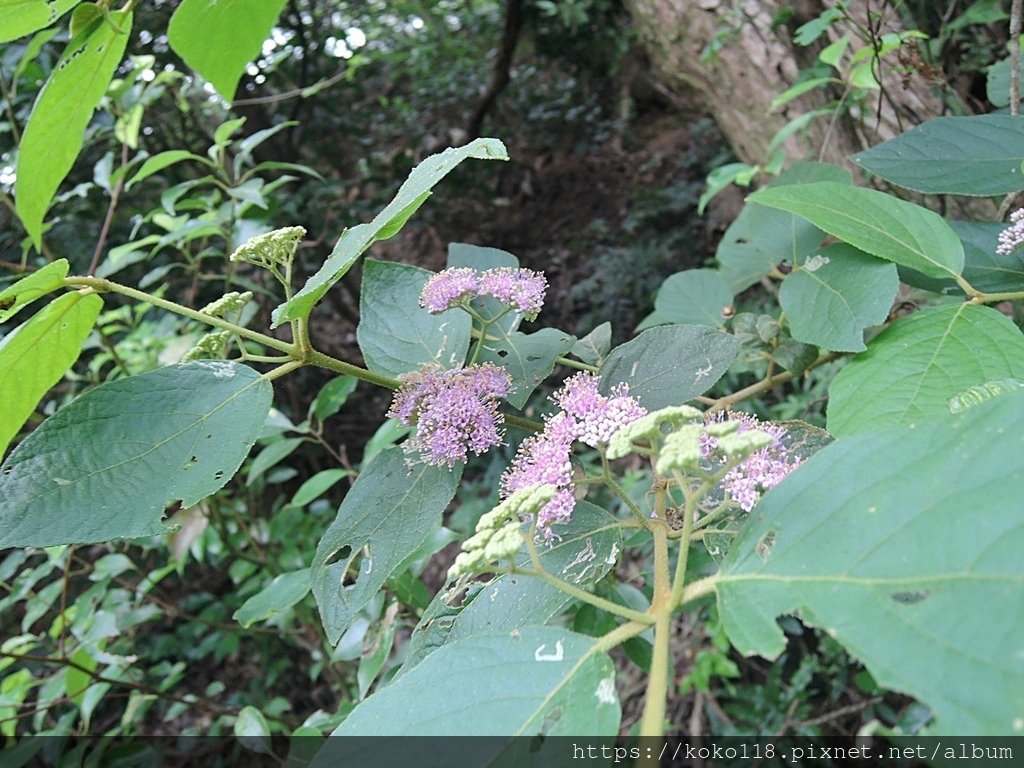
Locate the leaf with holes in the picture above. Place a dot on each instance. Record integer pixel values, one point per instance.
(388, 513)
(354, 242)
(584, 552)
(876, 223)
(529, 358)
(835, 295)
(670, 364)
(857, 542)
(534, 681)
(55, 130)
(395, 333)
(977, 155)
(108, 465)
(23, 17)
(35, 355)
(915, 365)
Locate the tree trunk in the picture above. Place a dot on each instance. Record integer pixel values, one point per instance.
(756, 61)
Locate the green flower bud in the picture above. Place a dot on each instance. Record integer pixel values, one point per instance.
(721, 428)
(649, 427)
(227, 304)
(680, 450)
(211, 345)
(271, 248)
(465, 562)
(505, 543)
(743, 444)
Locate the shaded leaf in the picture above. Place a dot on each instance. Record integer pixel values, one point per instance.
(694, 297)
(108, 465)
(595, 346)
(671, 364)
(284, 591)
(985, 269)
(529, 358)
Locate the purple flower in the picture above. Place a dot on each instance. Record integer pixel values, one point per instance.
(587, 416)
(521, 289)
(454, 411)
(1012, 237)
(446, 289)
(761, 470)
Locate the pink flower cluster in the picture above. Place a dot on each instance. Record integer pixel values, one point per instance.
(521, 289)
(759, 471)
(587, 416)
(1011, 238)
(454, 410)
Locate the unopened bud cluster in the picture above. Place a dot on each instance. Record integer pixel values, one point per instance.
(270, 249)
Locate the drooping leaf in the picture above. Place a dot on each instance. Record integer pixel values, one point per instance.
(876, 223)
(159, 162)
(23, 17)
(835, 295)
(280, 594)
(387, 514)
(979, 155)
(529, 358)
(915, 365)
(761, 238)
(16, 296)
(55, 130)
(354, 242)
(852, 543)
(531, 681)
(108, 465)
(694, 297)
(217, 38)
(595, 346)
(984, 269)
(395, 333)
(587, 548)
(670, 364)
(35, 355)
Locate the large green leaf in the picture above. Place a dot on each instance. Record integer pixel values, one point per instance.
(915, 365)
(529, 358)
(35, 355)
(985, 269)
(835, 295)
(217, 38)
(670, 364)
(904, 545)
(875, 222)
(584, 552)
(31, 287)
(533, 681)
(354, 242)
(388, 513)
(395, 333)
(761, 238)
(694, 297)
(23, 17)
(978, 155)
(53, 136)
(108, 465)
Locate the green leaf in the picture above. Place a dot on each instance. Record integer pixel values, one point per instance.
(270, 456)
(217, 38)
(985, 269)
(279, 595)
(18, 295)
(158, 162)
(761, 238)
(395, 333)
(23, 17)
(53, 136)
(670, 364)
(835, 295)
(694, 297)
(587, 549)
(252, 731)
(387, 514)
(354, 242)
(915, 365)
(980, 393)
(529, 358)
(35, 355)
(997, 83)
(978, 155)
(883, 540)
(595, 346)
(876, 223)
(333, 395)
(108, 465)
(534, 681)
(317, 486)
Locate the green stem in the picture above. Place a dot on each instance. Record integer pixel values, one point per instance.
(698, 589)
(577, 364)
(689, 510)
(621, 493)
(652, 724)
